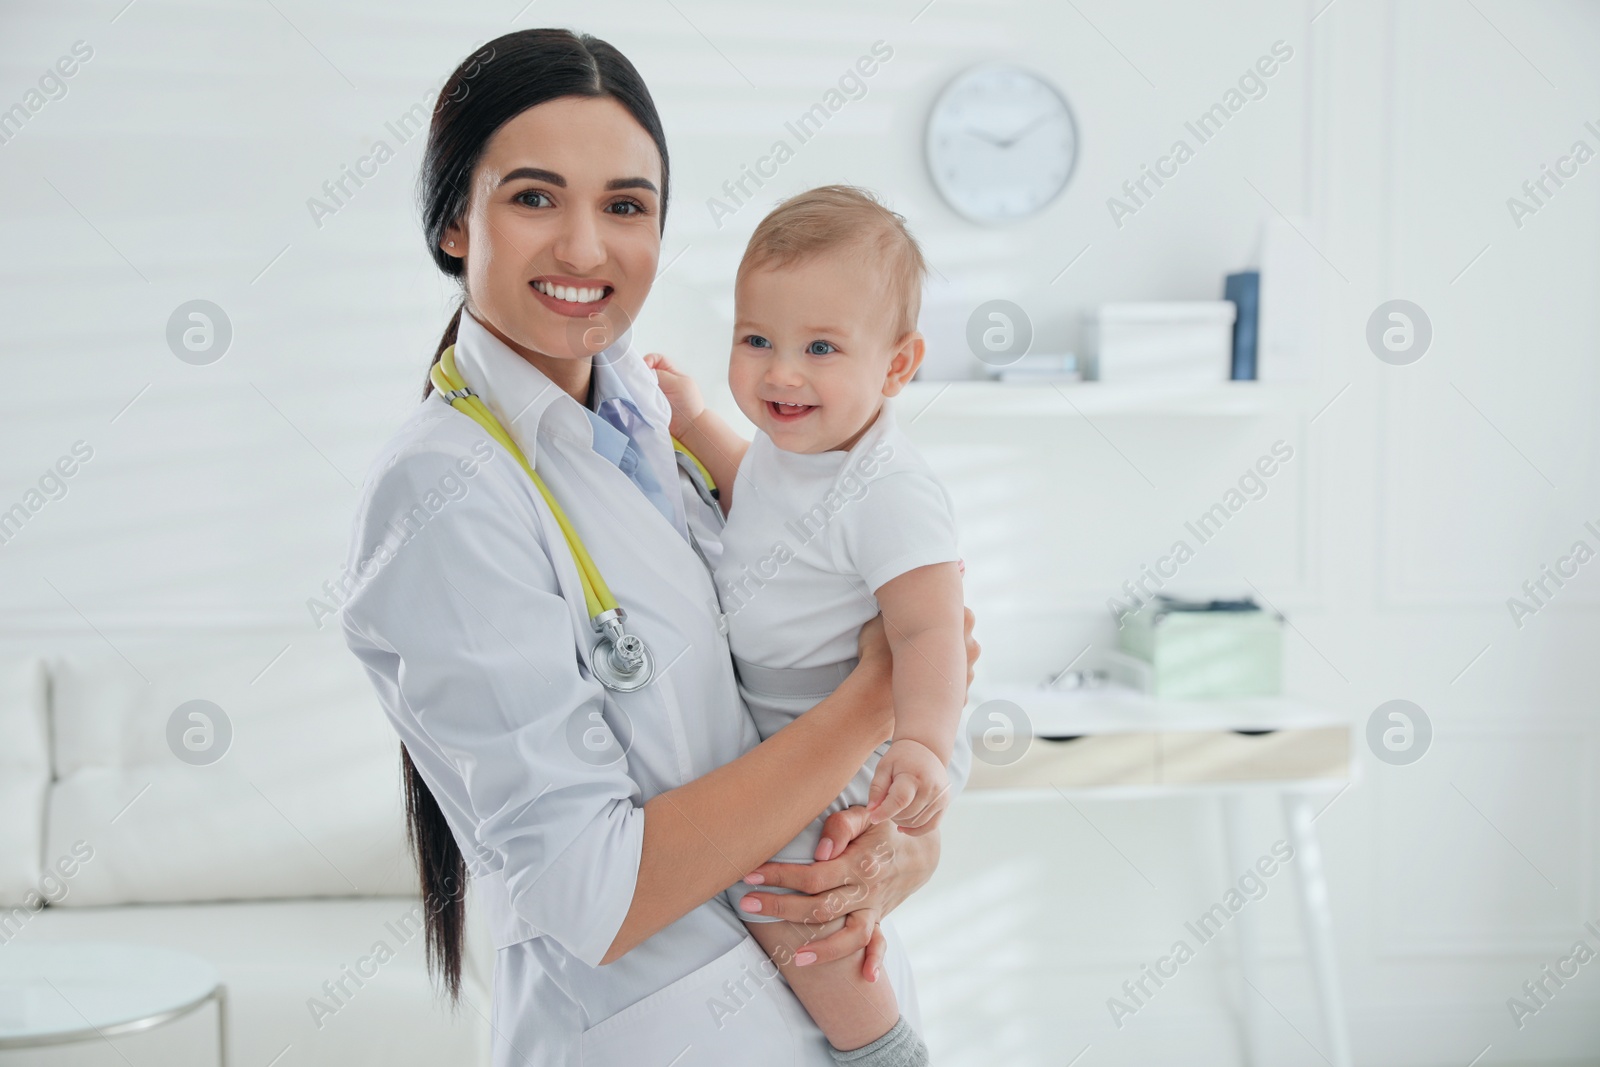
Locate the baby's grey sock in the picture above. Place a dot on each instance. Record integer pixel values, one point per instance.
(900, 1047)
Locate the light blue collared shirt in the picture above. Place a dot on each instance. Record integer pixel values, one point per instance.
(616, 422)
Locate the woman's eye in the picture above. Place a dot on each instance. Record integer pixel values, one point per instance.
(527, 198)
(819, 348)
(628, 207)
(757, 341)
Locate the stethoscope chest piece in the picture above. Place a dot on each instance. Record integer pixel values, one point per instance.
(620, 660)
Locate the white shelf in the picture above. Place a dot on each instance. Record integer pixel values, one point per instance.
(980, 399)
(1117, 709)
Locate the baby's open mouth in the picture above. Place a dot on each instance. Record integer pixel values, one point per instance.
(789, 412)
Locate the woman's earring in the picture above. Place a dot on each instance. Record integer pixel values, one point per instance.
(452, 244)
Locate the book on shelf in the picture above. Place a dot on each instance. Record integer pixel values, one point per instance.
(1244, 289)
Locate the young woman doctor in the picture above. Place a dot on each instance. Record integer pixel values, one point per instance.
(599, 825)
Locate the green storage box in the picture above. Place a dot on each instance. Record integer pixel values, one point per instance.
(1204, 654)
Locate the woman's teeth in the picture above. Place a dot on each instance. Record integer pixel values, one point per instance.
(570, 293)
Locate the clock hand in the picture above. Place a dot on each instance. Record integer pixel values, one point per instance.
(1014, 138)
(985, 137)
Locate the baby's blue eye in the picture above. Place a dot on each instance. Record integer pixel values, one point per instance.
(757, 341)
(819, 348)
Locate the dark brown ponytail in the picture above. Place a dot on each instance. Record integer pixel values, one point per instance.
(495, 84)
(444, 877)
(445, 342)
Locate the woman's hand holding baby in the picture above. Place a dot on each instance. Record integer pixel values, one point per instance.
(862, 873)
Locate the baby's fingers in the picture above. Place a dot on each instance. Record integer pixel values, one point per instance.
(902, 791)
(879, 788)
(925, 808)
(923, 821)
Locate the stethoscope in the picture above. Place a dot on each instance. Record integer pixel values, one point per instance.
(620, 660)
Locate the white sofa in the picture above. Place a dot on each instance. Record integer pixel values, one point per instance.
(282, 863)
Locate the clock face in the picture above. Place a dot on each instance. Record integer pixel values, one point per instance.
(1001, 143)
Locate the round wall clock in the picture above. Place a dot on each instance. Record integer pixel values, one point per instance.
(1001, 143)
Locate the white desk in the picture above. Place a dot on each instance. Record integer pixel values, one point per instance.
(64, 993)
(1112, 741)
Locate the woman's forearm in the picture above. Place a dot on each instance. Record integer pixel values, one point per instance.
(704, 836)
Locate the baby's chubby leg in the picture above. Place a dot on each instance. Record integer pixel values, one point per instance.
(850, 1010)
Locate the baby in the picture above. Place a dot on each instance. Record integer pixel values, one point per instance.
(832, 518)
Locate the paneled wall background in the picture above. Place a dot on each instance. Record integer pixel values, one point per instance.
(178, 166)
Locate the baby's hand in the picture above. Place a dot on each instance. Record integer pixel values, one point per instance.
(910, 787)
(681, 391)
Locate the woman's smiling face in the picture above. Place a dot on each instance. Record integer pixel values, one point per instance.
(562, 231)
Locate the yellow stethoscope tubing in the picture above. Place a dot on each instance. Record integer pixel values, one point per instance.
(597, 595)
(711, 484)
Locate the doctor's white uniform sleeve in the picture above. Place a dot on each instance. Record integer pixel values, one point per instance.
(472, 649)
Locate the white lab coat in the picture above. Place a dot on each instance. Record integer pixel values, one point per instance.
(471, 622)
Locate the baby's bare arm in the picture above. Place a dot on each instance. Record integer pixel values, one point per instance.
(923, 618)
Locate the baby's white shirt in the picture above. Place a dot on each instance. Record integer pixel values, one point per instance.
(811, 538)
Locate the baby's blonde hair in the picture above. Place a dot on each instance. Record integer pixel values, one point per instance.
(832, 217)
